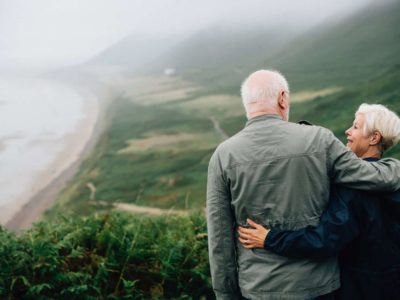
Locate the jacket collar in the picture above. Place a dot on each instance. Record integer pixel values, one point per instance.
(262, 118)
(371, 159)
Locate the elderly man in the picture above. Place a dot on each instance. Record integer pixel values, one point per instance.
(278, 174)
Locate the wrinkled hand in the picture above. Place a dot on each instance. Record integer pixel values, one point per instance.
(252, 237)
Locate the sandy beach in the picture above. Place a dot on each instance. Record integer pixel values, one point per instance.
(77, 144)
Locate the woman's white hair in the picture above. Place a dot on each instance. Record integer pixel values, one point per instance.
(268, 92)
(377, 118)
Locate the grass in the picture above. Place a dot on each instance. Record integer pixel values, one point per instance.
(336, 111)
(153, 156)
(157, 155)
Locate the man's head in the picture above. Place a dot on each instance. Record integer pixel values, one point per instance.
(266, 92)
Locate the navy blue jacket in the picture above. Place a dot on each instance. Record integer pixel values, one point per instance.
(364, 229)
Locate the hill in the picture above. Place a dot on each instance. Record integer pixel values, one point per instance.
(219, 53)
(341, 52)
(347, 52)
(344, 51)
(133, 51)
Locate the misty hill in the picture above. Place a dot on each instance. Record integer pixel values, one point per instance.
(358, 48)
(337, 52)
(199, 55)
(133, 51)
(217, 52)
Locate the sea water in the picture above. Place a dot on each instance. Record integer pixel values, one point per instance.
(35, 115)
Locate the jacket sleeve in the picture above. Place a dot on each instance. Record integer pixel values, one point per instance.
(337, 227)
(347, 169)
(221, 241)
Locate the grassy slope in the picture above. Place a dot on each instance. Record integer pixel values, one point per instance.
(174, 175)
(340, 52)
(346, 53)
(336, 111)
(221, 54)
(165, 176)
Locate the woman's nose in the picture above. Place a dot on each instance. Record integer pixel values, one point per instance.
(347, 132)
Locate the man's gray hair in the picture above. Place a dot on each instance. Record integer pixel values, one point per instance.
(377, 118)
(268, 92)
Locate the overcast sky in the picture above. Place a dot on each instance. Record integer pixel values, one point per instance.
(61, 32)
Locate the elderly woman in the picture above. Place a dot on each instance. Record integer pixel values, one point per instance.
(363, 228)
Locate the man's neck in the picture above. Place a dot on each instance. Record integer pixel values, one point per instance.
(263, 112)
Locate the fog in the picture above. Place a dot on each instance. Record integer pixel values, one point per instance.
(52, 33)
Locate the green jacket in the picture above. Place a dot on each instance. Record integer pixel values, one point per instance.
(278, 174)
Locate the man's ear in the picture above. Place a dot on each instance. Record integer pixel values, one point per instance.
(375, 138)
(282, 103)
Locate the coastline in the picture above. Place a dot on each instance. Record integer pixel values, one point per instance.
(78, 145)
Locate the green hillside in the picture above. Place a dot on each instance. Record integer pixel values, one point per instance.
(157, 154)
(336, 111)
(340, 52)
(148, 156)
(346, 52)
(217, 55)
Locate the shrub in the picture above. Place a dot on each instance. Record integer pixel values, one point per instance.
(112, 256)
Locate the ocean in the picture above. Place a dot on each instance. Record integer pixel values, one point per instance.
(36, 116)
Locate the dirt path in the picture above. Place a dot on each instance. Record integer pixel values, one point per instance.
(148, 210)
(218, 128)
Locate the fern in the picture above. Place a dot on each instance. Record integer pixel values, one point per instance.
(113, 256)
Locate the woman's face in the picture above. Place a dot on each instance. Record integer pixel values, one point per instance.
(356, 140)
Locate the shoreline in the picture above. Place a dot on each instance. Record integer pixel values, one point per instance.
(67, 162)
